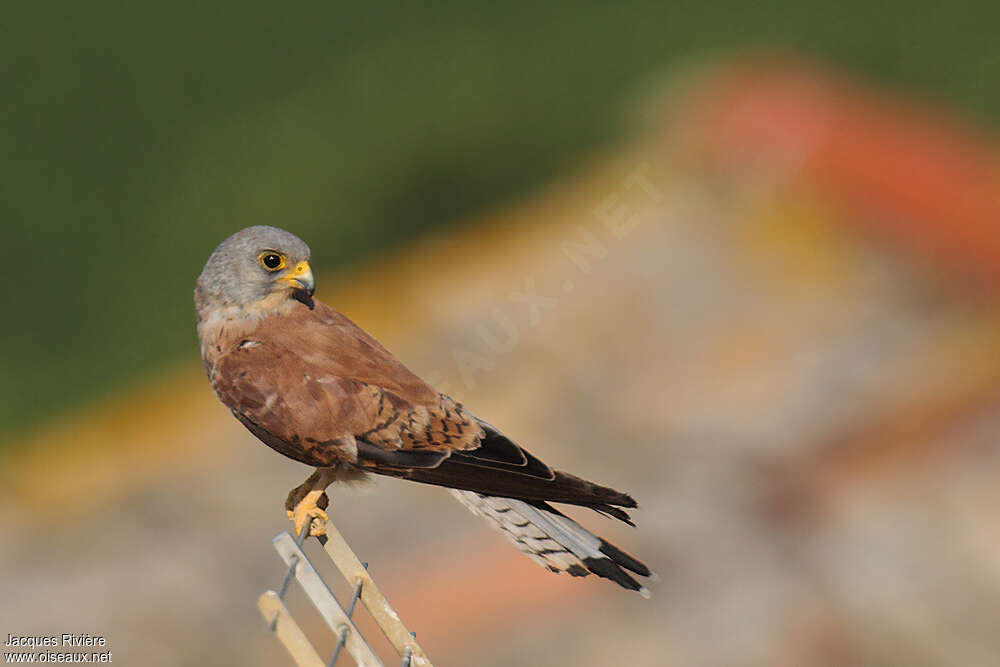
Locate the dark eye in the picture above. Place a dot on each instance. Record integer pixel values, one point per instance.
(271, 261)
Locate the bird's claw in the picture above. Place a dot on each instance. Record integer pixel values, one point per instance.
(306, 502)
(310, 511)
(315, 517)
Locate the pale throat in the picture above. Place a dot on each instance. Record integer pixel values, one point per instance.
(234, 318)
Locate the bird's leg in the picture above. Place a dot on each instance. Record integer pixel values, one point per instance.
(306, 502)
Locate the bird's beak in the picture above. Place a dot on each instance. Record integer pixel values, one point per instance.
(300, 277)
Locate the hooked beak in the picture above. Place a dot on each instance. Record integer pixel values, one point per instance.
(300, 278)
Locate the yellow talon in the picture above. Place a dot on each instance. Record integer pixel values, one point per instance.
(306, 502)
(314, 516)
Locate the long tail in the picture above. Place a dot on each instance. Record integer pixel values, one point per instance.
(555, 541)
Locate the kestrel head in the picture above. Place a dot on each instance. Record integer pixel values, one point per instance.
(256, 270)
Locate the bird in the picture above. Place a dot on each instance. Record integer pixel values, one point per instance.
(314, 386)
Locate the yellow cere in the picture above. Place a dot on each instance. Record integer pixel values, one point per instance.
(300, 276)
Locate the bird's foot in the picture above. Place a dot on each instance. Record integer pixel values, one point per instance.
(309, 510)
(306, 502)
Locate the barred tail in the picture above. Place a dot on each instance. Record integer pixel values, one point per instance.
(555, 541)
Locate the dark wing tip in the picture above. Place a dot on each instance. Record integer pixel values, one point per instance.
(619, 498)
(613, 512)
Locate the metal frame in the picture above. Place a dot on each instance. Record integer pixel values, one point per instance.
(339, 620)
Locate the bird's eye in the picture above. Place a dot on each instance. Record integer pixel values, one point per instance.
(271, 261)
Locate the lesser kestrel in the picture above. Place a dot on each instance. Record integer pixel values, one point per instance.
(314, 386)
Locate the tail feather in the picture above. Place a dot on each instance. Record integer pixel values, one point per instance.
(555, 541)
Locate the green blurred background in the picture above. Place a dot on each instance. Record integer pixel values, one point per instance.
(135, 136)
